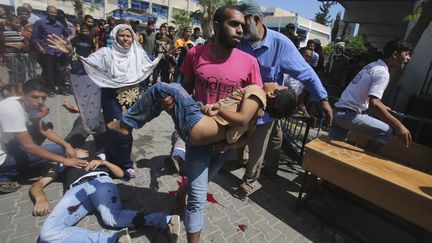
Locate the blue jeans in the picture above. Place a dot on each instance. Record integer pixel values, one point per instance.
(201, 165)
(99, 195)
(18, 160)
(118, 147)
(344, 121)
(186, 112)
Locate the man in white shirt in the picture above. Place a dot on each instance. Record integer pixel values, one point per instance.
(20, 124)
(364, 93)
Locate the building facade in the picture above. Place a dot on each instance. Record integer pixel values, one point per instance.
(163, 10)
(277, 19)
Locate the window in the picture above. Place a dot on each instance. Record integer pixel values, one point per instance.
(98, 3)
(136, 4)
(160, 11)
(123, 4)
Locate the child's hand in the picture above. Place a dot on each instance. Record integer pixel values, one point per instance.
(210, 110)
(94, 164)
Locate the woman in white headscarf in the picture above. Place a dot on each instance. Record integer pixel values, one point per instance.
(114, 74)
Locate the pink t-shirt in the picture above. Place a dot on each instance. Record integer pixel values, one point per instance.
(215, 80)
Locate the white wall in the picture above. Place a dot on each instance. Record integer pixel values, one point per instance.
(415, 73)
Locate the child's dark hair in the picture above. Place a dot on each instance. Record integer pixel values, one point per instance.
(34, 85)
(283, 104)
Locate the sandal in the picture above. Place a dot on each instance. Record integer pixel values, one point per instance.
(9, 186)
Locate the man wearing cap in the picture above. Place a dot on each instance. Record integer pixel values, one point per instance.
(290, 33)
(276, 56)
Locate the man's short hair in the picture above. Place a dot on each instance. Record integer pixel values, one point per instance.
(88, 16)
(304, 49)
(310, 41)
(150, 22)
(171, 27)
(221, 15)
(22, 9)
(290, 26)
(186, 28)
(33, 85)
(164, 25)
(397, 45)
(50, 6)
(283, 104)
(196, 29)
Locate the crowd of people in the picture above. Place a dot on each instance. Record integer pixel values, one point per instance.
(223, 94)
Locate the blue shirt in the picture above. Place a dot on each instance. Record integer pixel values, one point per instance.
(277, 55)
(42, 28)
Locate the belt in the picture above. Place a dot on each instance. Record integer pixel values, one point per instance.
(87, 179)
(349, 110)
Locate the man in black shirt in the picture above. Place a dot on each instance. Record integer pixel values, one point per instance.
(88, 190)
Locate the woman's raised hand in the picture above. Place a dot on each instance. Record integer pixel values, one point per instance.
(58, 43)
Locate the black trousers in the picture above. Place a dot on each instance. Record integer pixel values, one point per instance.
(53, 68)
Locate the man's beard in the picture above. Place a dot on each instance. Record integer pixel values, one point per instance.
(252, 32)
(224, 39)
(51, 19)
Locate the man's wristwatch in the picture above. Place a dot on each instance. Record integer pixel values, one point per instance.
(325, 99)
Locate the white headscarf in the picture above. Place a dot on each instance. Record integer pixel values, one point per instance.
(113, 67)
(335, 55)
(117, 67)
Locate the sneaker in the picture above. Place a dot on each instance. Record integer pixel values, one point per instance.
(173, 228)
(123, 236)
(132, 173)
(243, 191)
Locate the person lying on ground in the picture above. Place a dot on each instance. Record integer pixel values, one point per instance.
(91, 189)
(227, 120)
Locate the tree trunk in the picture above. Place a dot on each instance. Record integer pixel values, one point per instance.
(79, 10)
(422, 23)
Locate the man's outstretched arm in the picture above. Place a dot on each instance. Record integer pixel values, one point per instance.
(29, 146)
(382, 112)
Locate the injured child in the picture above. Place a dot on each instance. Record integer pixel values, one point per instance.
(227, 120)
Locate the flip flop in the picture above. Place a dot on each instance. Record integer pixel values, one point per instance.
(9, 186)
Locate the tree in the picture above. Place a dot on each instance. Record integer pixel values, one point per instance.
(423, 14)
(323, 16)
(335, 28)
(205, 14)
(79, 10)
(182, 18)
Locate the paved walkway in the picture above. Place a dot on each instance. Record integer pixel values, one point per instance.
(268, 216)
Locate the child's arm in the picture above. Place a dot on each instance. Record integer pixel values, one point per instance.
(248, 109)
(117, 172)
